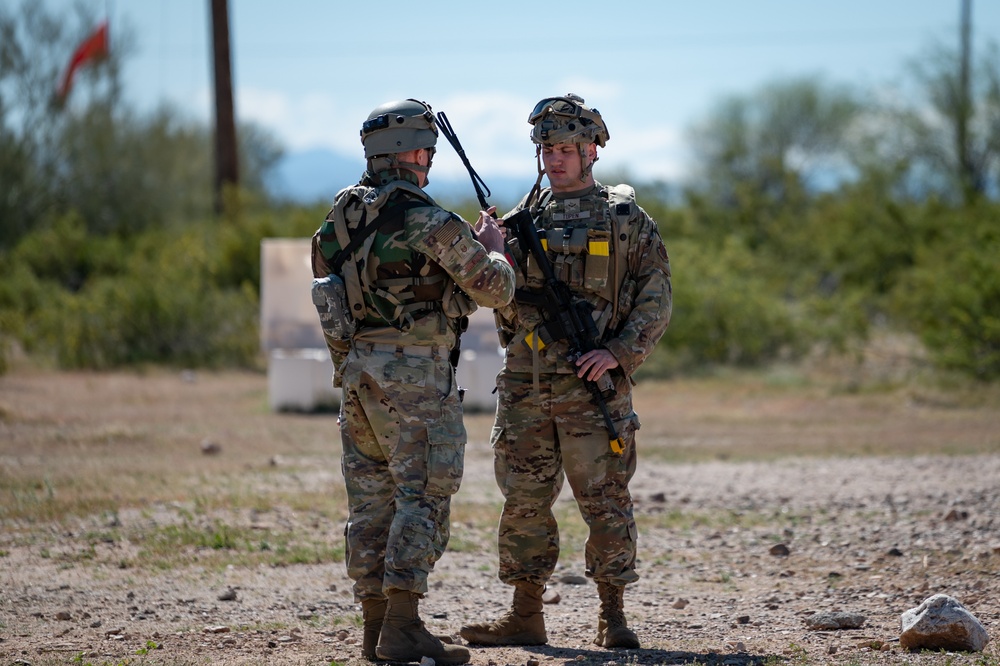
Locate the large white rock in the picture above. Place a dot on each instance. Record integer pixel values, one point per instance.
(942, 623)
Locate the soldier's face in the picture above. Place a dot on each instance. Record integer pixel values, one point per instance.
(563, 166)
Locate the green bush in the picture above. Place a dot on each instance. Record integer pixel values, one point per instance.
(725, 312)
(951, 297)
(154, 299)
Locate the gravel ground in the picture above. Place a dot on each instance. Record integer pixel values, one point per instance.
(735, 555)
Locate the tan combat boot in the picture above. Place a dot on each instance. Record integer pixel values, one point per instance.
(523, 624)
(612, 631)
(404, 637)
(373, 612)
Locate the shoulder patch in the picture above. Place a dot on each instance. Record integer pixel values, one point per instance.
(445, 234)
(622, 208)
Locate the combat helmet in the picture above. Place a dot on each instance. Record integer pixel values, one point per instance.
(567, 119)
(396, 127)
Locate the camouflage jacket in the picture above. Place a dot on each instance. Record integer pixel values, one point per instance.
(415, 279)
(609, 251)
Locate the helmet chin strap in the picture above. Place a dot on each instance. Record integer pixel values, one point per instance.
(392, 162)
(585, 168)
(537, 187)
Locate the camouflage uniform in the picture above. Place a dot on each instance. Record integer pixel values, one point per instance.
(401, 418)
(608, 250)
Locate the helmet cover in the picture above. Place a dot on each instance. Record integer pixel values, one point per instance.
(567, 120)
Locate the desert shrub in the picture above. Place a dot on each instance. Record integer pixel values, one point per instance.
(724, 311)
(951, 297)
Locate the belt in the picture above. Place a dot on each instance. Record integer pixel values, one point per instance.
(437, 351)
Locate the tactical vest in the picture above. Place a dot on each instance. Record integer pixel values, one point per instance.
(387, 282)
(587, 240)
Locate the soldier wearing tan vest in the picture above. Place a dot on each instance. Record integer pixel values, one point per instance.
(608, 251)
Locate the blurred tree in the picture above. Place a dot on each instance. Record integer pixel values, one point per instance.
(34, 46)
(121, 170)
(934, 135)
(788, 134)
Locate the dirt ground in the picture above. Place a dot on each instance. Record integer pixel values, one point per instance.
(760, 502)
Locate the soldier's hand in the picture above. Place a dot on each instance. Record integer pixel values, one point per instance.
(595, 363)
(488, 231)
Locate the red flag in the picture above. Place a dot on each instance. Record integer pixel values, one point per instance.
(92, 48)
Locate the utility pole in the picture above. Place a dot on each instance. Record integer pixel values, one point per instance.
(226, 165)
(967, 171)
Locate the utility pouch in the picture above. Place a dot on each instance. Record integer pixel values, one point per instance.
(329, 295)
(595, 275)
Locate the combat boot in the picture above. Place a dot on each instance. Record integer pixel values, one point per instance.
(612, 630)
(404, 637)
(523, 624)
(373, 612)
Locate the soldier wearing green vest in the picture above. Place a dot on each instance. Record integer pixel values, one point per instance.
(609, 252)
(398, 277)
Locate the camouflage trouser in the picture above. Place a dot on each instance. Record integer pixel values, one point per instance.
(538, 437)
(404, 447)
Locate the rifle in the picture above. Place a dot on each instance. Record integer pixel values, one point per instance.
(565, 317)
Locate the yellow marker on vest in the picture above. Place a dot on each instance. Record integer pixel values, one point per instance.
(530, 338)
(598, 248)
(616, 446)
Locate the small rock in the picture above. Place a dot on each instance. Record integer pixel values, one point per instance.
(895, 552)
(779, 550)
(835, 620)
(228, 595)
(572, 579)
(680, 604)
(210, 448)
(219, 629)
(63, 616)
(426, 661)
(551, 597)
(743, 619)
(955, 514)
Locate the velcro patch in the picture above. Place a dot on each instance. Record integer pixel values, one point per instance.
(446, 234)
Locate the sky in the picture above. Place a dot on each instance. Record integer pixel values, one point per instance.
(310, 71)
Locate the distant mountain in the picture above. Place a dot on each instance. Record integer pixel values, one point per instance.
(317, 174)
